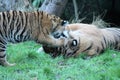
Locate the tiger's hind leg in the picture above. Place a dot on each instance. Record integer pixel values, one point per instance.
(3, 60)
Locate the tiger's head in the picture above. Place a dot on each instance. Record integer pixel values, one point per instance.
(53, 25)
(67, 51)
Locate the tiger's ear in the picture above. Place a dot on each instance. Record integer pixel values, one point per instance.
(64, 23)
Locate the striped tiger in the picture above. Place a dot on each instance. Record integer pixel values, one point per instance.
(87, 39)
(19, 26)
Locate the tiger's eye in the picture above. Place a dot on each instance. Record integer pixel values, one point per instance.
(74, 42)
(63, 23)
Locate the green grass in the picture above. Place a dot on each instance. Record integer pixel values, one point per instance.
(40, 66)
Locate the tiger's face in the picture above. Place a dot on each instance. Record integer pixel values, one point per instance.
(71, 48)
(53, 25)
(67, 51)
(51, 30)
(58, 29)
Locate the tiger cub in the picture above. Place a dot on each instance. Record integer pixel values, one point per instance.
(19, 26)
(86, 38)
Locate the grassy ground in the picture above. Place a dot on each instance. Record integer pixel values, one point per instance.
(39, 66)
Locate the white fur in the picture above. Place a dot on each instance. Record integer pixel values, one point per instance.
(40, 50)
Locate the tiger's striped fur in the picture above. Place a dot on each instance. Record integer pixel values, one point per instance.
(18, 26)
(87, 38)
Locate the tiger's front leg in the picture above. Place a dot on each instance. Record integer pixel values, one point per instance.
(3, 60)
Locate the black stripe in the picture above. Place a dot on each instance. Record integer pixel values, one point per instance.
(105, 41)
(16, 32)
(17, 41)
(74, 51)
(88, 47)
(2, 46)
(4, 23)
(17, 25)
(23, 31)
(17, 21)
(8, 22)
(14, 15)
(42, 27)
(21, 15)
(40, 21)
(103, 46)
(42, 13)
(10, 28)
(3, 56)
(1, 33)
(8, 15)
(3, 14)
(47, 15)
(55, 27)
(116, 45)
(3, 42)
(24, 21)
(25, 37)
(24, 27)
(2, 50)
(98, 49)
(47, 32)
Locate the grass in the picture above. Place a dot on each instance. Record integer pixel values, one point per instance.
(40, 66)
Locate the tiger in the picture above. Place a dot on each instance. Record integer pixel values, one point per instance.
(86, 39)
(38, 26)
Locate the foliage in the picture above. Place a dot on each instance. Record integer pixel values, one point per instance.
(37, 3)
(98, 21)
(39, 66)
